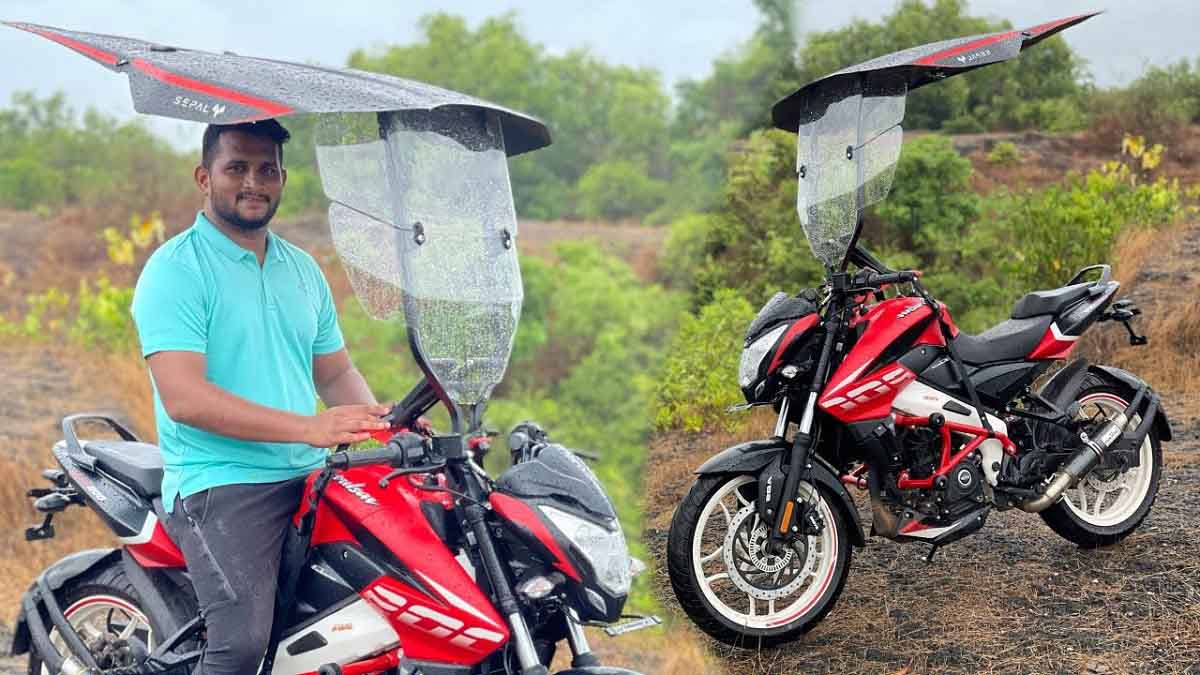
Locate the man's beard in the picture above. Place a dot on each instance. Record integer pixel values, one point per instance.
(230, 215)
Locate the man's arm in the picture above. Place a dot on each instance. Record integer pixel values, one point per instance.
(191, 399)
(338, 382)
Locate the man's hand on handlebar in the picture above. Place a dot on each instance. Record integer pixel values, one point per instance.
(406, 450)
(344, 424)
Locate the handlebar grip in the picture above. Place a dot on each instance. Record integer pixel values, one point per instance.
(345, 460)
(904, 277)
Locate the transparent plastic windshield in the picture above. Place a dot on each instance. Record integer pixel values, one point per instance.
(846, 158)
(422, 218)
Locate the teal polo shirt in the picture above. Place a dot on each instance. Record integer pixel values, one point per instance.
(259, 328)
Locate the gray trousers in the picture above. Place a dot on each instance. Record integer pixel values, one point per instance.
(232, 538)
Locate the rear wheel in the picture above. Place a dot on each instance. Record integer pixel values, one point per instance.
(727, 581)
(1107, 505)
(104, 609)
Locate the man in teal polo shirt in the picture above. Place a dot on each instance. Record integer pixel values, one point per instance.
(241, 335)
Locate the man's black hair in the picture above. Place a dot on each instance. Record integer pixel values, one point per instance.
(268, 128)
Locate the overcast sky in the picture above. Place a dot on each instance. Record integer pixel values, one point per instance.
(680, 38)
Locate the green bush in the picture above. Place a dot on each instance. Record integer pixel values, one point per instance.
(931, 203)
(26, 183)
(1004, 153)
(52, 157)
(699, 376)
(754, 243)
(1160, 103)
(103, 317)
(685, 249)
(1056, 231)
(618, 189)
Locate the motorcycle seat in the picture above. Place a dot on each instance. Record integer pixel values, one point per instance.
(138, 465)
(1010, 340)
(1050, 302)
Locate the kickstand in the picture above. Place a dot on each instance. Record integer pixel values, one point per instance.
(933, 548)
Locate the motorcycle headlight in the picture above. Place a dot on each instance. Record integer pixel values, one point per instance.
(605, 548)
(752, 356)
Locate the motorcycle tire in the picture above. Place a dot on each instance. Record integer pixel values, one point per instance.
(709, 610)
(106, 590)
(1099, 521)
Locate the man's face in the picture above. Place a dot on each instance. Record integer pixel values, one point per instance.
(245, 181)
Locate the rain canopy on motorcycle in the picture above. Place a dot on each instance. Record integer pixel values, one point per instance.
(422, 218)
(227, 88)
(848, 124)
(849, 143)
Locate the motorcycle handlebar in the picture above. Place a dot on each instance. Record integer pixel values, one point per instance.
(878, 280)
(401, 451)
(341, 459)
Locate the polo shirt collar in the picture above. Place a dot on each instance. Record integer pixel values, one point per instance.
(229, 247)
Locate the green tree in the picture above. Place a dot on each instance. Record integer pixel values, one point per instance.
(597, 112)
(53, 157)
(932, 201)
(754, 242)
(618, 189)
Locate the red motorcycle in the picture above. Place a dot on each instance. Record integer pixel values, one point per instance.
(406, 558)
(886, 394)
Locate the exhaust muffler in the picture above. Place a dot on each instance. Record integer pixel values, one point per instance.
(1086, 459)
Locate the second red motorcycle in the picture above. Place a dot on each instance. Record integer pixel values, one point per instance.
(887, 395)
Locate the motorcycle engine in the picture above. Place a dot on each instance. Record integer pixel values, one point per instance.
(958, 492)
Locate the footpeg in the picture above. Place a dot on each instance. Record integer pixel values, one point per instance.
(631, 626)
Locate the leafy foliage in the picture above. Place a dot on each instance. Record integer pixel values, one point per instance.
(618, 189)
(1158, 104)
(1004, 153)
(754, 242)
(1063, 228)
(699, 376)
(51, 157)
(931, 203)
(600, 112)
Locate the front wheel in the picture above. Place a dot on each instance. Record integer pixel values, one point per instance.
(1107, 505)
(727, 581)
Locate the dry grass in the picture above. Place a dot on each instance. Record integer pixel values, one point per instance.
(51, 382)
(21, 561)
(674, 649)
(1157, 270)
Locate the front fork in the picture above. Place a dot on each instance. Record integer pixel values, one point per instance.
(788, 516)
(791, 519)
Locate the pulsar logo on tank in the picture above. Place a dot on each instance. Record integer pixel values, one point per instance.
(355, 489)
(216, 109)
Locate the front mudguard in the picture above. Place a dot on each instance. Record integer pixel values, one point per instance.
(57, 575)
(1066, 384)
(751, 457)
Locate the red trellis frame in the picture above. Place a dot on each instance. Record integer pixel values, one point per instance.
(857, 476)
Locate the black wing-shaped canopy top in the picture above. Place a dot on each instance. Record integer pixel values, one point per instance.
(227, 88)
(916, 67)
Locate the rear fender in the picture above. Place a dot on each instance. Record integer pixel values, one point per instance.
(57, 576)
(752, 457)
(1066, 384)
(1162, 426)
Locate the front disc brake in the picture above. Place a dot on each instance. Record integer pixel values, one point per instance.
(756, 571)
